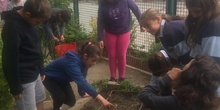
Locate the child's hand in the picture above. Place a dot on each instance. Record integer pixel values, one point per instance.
(109, 105)
(174, 73)
(43, 77)
(56, 39)
(142, 29)
(62, 38)
(101, 44)
(86, 95)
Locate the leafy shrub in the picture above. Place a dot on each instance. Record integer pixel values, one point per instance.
(60, 3)
(6, 99)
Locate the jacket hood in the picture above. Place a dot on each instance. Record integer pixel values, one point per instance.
(11, 15)
(72, 55)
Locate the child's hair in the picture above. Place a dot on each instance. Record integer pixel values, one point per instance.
(159, 63)
(210, 9)
(65, 15)
(152, 13)
(90, 49)
(197, 85)
(38, 8)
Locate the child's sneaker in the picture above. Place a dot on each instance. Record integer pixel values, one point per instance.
(113, 79)
(121, 79)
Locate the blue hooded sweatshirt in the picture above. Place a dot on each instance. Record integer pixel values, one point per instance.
(69, 68)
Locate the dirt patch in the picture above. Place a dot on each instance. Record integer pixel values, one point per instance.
(122, 99)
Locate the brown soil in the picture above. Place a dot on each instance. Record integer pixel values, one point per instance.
(121, 100)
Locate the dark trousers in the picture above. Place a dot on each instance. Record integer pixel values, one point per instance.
(61, 93)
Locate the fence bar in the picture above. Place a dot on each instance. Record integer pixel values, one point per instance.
(171, 7)
(76, 10)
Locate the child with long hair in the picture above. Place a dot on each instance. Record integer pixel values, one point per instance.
(114, 20)
(170, 30)
(195, 87)
(203, 23)
(72, 67)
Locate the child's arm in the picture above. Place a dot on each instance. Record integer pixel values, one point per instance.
(152, 97)
(134, 8)
(100, 27)
(105, 102)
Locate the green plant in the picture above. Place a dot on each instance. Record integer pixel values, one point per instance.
(60, 3)
(153, 48)
(128, 86)
(94, 33)
(144, 55)
(133, 33)
(6, 99)
(102, 84)
(75, 32)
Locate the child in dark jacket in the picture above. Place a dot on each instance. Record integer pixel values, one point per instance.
(195, 87)
(170, 30)
(21, 55)
(72, 67)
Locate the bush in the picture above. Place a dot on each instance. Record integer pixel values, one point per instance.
(6, 99)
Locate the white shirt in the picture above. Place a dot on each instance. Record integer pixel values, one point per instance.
(12, 4)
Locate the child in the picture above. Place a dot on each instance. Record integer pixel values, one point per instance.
(203, 23)
(159, 63)
(54, 28)
(15, 3)
(72, 67)
(56, 24)
(21, 55)
(196, 87)
(114, 20)
(170, 31)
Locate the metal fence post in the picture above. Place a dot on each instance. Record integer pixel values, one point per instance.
(171, 7)
(76, 10)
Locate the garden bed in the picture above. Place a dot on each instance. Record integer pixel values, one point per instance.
(124, 98)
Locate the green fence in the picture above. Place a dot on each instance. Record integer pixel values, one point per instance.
(87, 10)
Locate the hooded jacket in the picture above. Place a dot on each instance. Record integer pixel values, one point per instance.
(52, 27)
(69, 68)
(21, 55)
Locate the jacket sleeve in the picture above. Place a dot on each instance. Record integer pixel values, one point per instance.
(211, 47)
(62, 28)
(80, 90)
(100, 24)
(41, 64)
(10, 57)
(158, 95)
(73, 70)
(134, 8)
(48, 30)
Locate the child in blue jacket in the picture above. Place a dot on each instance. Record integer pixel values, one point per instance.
(72, 67)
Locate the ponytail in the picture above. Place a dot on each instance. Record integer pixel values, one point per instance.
(90, 49)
